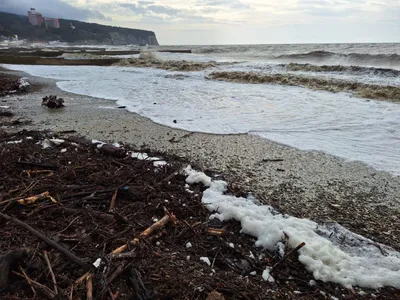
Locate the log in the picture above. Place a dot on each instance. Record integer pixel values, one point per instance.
(48, 241)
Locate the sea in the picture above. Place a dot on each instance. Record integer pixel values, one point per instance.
(337, 123)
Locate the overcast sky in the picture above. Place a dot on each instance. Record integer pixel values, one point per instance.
(235, 21)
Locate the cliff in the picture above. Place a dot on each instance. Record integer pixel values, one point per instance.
(75, 32)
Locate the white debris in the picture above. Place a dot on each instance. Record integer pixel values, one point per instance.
(206, 260)
(23, 83)
(187, 189)
(63, 150)
(99, 144)
(96, 264)
(188, 257)
(266, 275)
(116, 144)
(45, 144)
(252, 255)
(4, 106)
(312, 283)
(325, 255)
(362, 293)
(189, 245)
(29, 138)
(139, 155)
(254, 273)
(158, 243)
(57, 142)
(296, 292)
(232, 245)
(14, 142)
(155, 220)
(281, 249)
(159, 163)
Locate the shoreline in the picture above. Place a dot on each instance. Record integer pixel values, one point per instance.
(306, 184)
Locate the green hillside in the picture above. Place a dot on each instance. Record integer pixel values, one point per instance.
(72, 31)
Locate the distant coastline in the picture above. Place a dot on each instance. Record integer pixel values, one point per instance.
(73, 32)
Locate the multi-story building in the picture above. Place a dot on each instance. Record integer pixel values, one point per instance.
(52, 22)
(35, 18)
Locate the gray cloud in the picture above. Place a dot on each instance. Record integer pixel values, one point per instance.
(53, 8)
(153, 13)
(233, 4)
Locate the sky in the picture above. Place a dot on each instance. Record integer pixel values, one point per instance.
(192, 22)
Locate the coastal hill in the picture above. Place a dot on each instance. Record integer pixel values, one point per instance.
(75, 32)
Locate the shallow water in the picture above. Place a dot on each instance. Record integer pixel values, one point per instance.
(351, 128)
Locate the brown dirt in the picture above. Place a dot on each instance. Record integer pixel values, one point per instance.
(8, 83)
(378, 92)
(83, 180)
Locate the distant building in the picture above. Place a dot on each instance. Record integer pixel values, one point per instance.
(52, 22)
(35, 18)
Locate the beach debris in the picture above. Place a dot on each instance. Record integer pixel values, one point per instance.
(23, 83)
(104, 202)
(6, 114)
(53, 102)
(214, 295)
(10, 84)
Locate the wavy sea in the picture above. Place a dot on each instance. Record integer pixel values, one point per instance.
(359, 123)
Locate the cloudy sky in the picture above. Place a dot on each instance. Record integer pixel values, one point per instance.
(235, 21)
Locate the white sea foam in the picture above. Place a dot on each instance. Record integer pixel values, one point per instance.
(354, 261)
(352, 128)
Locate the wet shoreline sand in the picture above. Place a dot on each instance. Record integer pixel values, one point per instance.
(307, 184)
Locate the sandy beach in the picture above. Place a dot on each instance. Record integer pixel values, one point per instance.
(304, 184)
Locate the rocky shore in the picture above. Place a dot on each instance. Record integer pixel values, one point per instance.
(305, 184)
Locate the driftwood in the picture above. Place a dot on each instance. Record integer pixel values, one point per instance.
(290, 253)
(53, 102)
(37, 165)
(156, 226)
(107, 149)
(53, 277)
(89, 287)
(48, 241)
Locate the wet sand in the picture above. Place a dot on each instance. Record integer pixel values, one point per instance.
(308, 184)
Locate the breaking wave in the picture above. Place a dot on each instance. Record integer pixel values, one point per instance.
(340, 68)
(359, 59)
(371, 91)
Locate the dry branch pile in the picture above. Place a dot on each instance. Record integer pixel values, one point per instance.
(79, 222)
(53, 102)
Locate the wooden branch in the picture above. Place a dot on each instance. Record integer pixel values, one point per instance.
(156, 226)
(89, 287)
(94, 213)
(44, 289)
(53, 277)
(29, 200)
(48, 241)
(113, 199)
(31, 164)
(290, 253)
